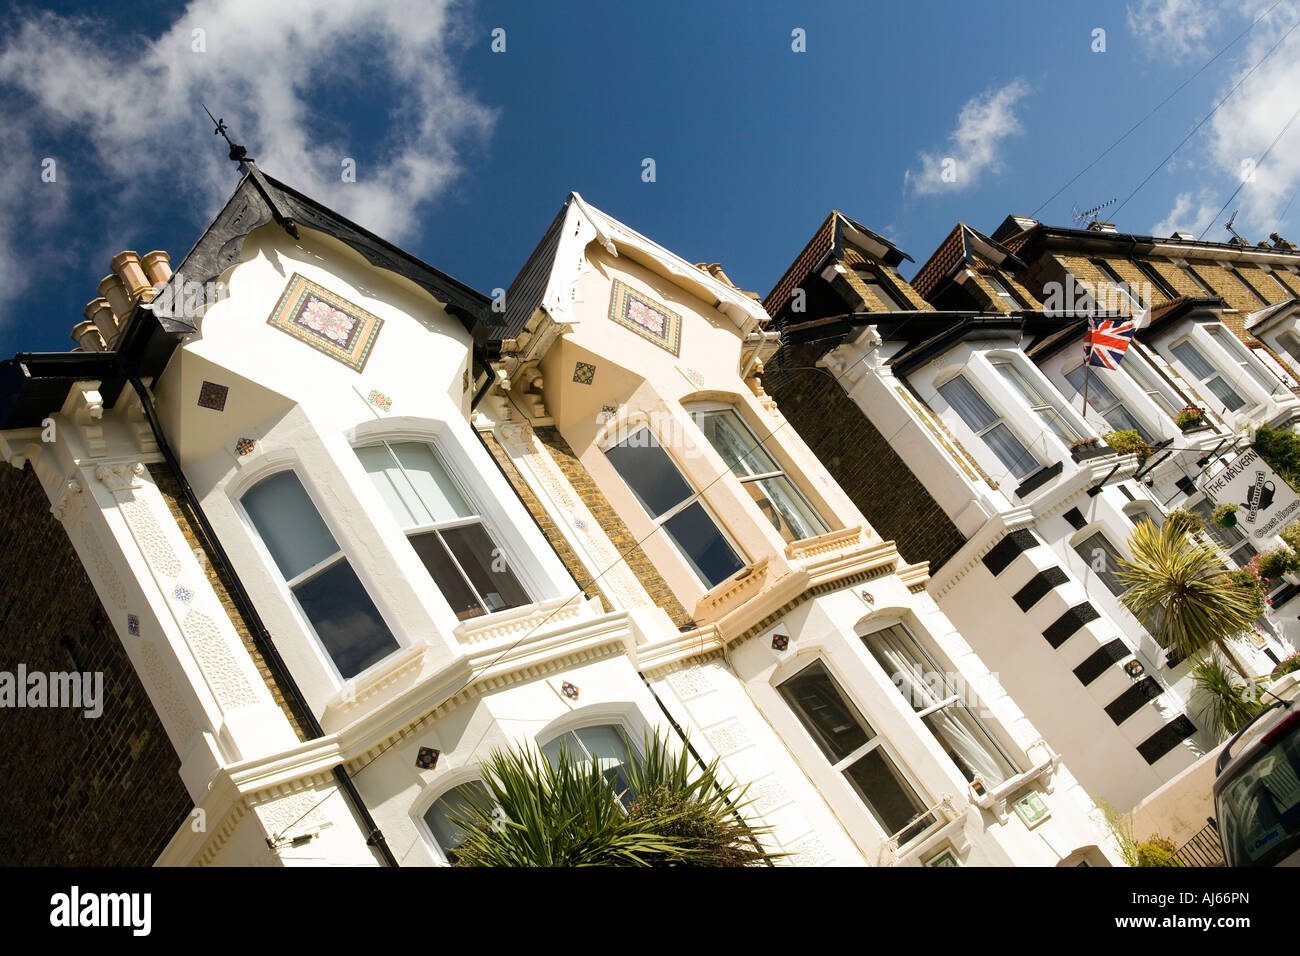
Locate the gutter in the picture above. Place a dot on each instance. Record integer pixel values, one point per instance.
(261, 636)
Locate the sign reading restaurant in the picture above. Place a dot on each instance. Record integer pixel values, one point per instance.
(1265, 503)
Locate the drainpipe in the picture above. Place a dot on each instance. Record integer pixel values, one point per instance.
(261, 637)
(690, 748)
(763, 337)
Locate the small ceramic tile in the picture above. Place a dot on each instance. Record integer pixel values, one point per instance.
(427, 758)
(569, 690)
(583, 373)
(213, 396)
(695, 377)
(245, 446)
(381, 401)
(133, 625)
(780, 642)
(183, 594)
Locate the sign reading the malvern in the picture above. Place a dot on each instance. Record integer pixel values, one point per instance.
(1265, 503)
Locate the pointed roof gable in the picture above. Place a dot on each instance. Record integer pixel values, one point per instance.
(962, 248)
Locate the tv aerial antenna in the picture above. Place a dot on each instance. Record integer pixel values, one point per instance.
(1090, 215)
(1228, 225)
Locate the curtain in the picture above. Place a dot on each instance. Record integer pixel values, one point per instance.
(958, 731)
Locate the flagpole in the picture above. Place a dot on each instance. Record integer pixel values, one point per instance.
(1087, 367)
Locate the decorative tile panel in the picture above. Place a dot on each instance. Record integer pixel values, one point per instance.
(647, 318)
(583, 373)
(245, 446)
(213, 396)
(427, 758)
(328, 323)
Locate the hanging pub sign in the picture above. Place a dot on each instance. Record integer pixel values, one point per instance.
(1265, 503)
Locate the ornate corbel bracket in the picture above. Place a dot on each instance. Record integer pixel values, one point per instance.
(121, 477)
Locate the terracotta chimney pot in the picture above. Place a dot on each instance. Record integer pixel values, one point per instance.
(127, 266)
(119, 300)
(100, 313)
(157, 266)
(87, 336)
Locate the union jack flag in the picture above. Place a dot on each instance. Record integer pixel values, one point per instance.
(1106, 341)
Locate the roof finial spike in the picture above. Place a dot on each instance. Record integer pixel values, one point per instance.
(237, 153)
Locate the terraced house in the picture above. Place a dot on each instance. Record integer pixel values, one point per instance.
(954, 404)
(338, 529)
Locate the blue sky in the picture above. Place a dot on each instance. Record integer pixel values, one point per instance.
(463, 155)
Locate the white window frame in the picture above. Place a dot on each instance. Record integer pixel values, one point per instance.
(1046, 408)
(781, 472)
(590, 721)
(695, 496)
(999, 419)
(517, 568)
(1003, 291)
(286, 587)
(1216, 371)
(1147, 377)
(422, 808)
(1118, 403)
(972, 705)
(1223, 337)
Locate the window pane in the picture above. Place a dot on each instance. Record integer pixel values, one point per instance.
(825, 712)
(1224, 392)
(703, 545)
(890, 798)
(1010, 451)
(393, 486)
(1196, 363)
(486, 565)
(967, 403)
(1234, 347)
(736, 443)
(649, 472)
(289, 524)
(1148, 380)
(448, 834)
(345, 619)
(888, 299)
(605, 745)
(432, 483)
(1105, 564)
(464, 603)
(1045, 408)
(789, 513)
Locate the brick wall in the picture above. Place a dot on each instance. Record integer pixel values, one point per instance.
(860, 458)
(76, 791)
(613, 525)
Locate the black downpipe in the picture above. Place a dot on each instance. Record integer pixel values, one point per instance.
(690, 748)
(261, 637)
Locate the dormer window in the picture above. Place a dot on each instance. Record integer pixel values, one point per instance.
(1044, 407)
(673, 506)
(980, 418)
(1208, 375)
(1005, 294)
(891, 300)
(318, 574)
(460, 553)
(777, 497)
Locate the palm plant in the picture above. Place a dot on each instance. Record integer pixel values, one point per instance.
(1229, 704)
(566, 813)
(1179, 590)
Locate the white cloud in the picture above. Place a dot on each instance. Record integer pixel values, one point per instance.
(982, 125)
(132, 106)
(1252, 118)
(1183, 218)
(1173, 29)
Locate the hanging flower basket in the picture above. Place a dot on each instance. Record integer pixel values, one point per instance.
(1225, 516)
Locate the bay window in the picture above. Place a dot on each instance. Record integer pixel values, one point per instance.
(1135, 365)
(931, 693)
(1086, 380)
(451, 539)
(673, 506)
(988, 426)
(1044, 407)
(764, 480)
(854, 750)
(318, 574)
(1201, 369)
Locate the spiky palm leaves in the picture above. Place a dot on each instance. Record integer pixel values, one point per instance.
(1228, 704)
(566, 813)
(1179, 591)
